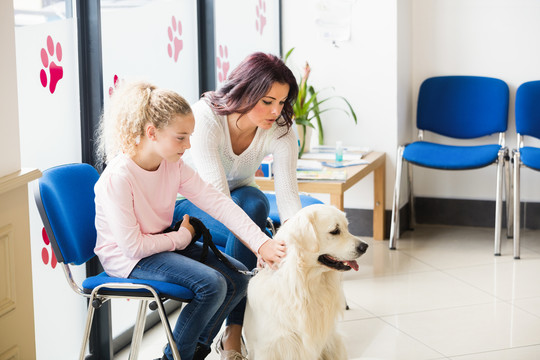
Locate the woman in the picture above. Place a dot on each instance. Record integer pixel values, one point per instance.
(248, 118)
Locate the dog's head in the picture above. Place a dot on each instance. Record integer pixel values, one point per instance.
(320, 235)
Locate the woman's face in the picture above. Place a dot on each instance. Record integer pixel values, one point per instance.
(268, 108)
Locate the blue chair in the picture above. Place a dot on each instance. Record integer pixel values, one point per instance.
(458, 107)
(64, 196)
(273, 218)
(527, 113)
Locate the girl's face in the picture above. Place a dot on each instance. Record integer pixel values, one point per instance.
(269, 107)
(173, 140)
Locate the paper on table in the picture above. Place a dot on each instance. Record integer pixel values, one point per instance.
(340, 175)
(330, 156)
(340, 164)
(303, 164)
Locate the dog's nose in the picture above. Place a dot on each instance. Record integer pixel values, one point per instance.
(362, 247)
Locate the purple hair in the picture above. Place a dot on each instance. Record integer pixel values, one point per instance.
(249, 82)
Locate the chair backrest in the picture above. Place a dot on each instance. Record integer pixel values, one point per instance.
(528, 109)
(463, 107)
(65, 199)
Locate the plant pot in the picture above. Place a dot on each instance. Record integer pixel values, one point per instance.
(305, 141)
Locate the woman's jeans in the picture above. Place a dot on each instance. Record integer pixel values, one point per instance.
(255, 205)
(217, 289)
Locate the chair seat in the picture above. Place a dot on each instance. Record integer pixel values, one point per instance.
(530, 157)
(168, 290)
(274, 214)
(450, 157)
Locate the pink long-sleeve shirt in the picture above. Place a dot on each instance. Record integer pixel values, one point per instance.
(134, 206)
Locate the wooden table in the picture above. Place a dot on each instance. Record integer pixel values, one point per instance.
(336, 189)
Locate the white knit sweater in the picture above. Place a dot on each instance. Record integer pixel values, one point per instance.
(212, 155)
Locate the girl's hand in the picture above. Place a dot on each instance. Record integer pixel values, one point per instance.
(187, 225)
(272, 252)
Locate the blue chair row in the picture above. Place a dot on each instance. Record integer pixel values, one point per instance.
(472, 107)
(463, 108)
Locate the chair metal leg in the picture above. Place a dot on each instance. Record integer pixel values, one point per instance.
(498, 204)
(167, 327)
(394, 226)
(88, 326)
(138, 330)
(509, 194)
(517, 205)
(412, 223)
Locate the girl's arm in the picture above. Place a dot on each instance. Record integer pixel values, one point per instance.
(285, 152)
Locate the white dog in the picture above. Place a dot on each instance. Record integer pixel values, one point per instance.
(292, 311)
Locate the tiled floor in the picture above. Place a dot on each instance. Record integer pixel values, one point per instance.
(441, 295)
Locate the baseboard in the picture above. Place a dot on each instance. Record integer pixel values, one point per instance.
(361, 221)
(458, 212)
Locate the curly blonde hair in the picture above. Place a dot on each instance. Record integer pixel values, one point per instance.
(132, 106)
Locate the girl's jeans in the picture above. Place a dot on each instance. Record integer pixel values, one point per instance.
(217, 289)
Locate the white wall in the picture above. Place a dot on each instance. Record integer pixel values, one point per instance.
(394, 46)
(497, 38)
(364, 70)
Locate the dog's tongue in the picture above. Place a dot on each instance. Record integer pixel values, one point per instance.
(353, 264)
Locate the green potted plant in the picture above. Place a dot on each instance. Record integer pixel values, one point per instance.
(307, 107)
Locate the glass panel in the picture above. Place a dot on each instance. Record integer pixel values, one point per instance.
(241, 28)
(49, 120)
(151, 40)
(34, 12)
(155, 41)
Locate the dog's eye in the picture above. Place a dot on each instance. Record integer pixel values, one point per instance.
(336, 231)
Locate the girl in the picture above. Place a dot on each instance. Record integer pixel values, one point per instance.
(236, 126)
(143, 135)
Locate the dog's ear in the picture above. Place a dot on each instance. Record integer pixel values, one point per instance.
(305, 234)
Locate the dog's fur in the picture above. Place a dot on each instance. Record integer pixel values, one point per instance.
(292, 311)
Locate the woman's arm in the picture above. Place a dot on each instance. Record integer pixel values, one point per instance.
(285, 152)
(205, 147)
(222, 208)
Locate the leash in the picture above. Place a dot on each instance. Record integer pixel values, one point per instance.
(207, 243)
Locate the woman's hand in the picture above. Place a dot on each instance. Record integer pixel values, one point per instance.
(272, 252)
(187, 225)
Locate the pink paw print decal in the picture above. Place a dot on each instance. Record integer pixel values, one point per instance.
(175, 43)
(222, 63)
(52, 72)
(260, 21)
(46, 250)
(116, 82)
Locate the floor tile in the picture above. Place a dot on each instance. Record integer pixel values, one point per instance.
(414, 292)
(517, 279)
(380, 261)
(471, 329)
(531, 305)
(521, 353)
(445, 247)
(375, 339)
